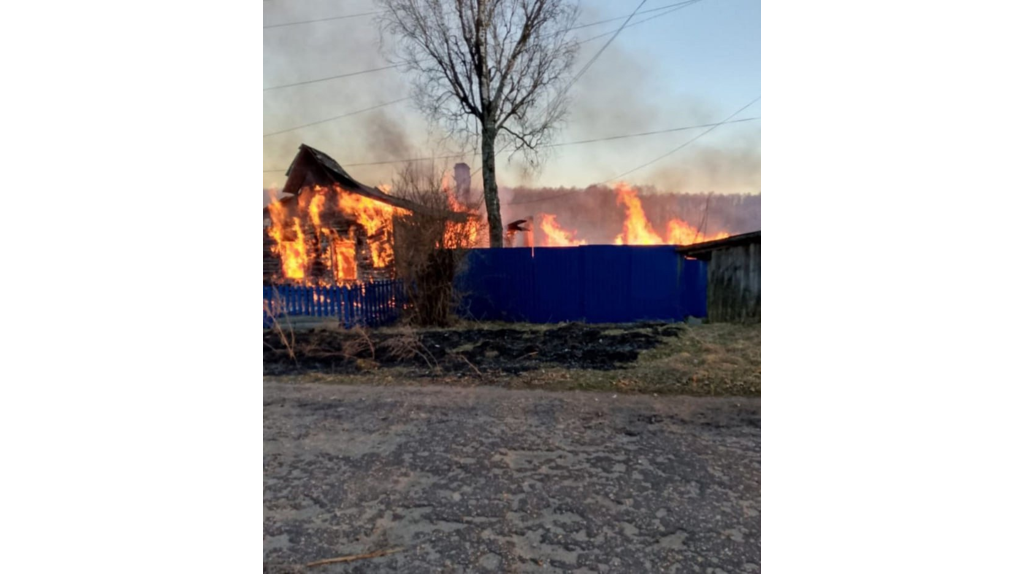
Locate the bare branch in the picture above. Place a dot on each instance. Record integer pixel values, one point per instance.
(501, 63)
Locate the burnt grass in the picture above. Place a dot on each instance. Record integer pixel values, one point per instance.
(465, 351)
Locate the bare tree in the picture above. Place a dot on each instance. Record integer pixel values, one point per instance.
(492, 68)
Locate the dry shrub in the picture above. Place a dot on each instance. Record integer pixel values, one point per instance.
(360, 344)
(406, 344)
(431, 244)
(284, 330)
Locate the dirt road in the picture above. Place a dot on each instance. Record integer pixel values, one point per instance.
(492, 480)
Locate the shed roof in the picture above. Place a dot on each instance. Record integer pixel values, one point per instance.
(704, 249)
(313, 167)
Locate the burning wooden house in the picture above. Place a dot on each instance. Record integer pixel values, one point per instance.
(328, 228)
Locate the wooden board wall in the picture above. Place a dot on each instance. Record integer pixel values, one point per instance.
(734, 284)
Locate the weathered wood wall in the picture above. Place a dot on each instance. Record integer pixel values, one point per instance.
(734, 284)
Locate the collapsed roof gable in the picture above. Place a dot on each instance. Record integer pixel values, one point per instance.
(313, 167)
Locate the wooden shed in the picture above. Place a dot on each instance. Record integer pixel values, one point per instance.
(734, 276)
(342, 246)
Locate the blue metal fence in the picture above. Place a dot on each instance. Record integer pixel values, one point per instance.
(595, 284)
(363, 304)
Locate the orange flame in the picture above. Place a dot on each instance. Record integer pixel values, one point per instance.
(682, 233)
(556, 236)
(459, 233)
(313, 236)
(315, 207)
(636, 230)
(290, 242)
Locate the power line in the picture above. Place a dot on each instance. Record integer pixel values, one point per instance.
(648, 133)
(701, 134)
(674, 7)
(336, 117)
(678, 7)
(697, 137)
(601, 51)
(648, 11)
(585, 68)
(332, 77)
(578, 142)
(578, 75)
(569, 85)
(347, 16)
(324, 19)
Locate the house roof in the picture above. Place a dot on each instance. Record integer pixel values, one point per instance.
(703, 250)
(313, 167)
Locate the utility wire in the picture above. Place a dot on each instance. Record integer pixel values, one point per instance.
(659, 158)
(578, 75)
(697, 137)
(674, 7)
(332, 77)
(678, 7)
(603, 48)
(648, 11)
(585, 68)
(569, 85)
(336, 117)
(361, 14)
(346, 17)
(578, 142)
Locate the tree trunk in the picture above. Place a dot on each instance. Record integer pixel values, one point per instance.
(497, 231)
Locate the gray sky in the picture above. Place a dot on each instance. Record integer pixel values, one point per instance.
(694, 65)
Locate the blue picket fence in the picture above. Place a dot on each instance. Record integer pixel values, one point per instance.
(594, 284)
(363, 304)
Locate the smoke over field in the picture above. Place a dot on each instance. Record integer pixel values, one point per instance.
(601, 215)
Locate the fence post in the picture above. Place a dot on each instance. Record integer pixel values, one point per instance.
(346, 305)
(266, 307)
(376, 304)
(371, 305)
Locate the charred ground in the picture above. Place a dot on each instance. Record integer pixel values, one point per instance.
(641, 357)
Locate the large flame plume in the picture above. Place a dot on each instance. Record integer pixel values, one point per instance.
(636, 227)
(321, 239)
(555, 235)
(464, 231)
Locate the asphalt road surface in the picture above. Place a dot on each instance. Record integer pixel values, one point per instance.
(492, 480)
